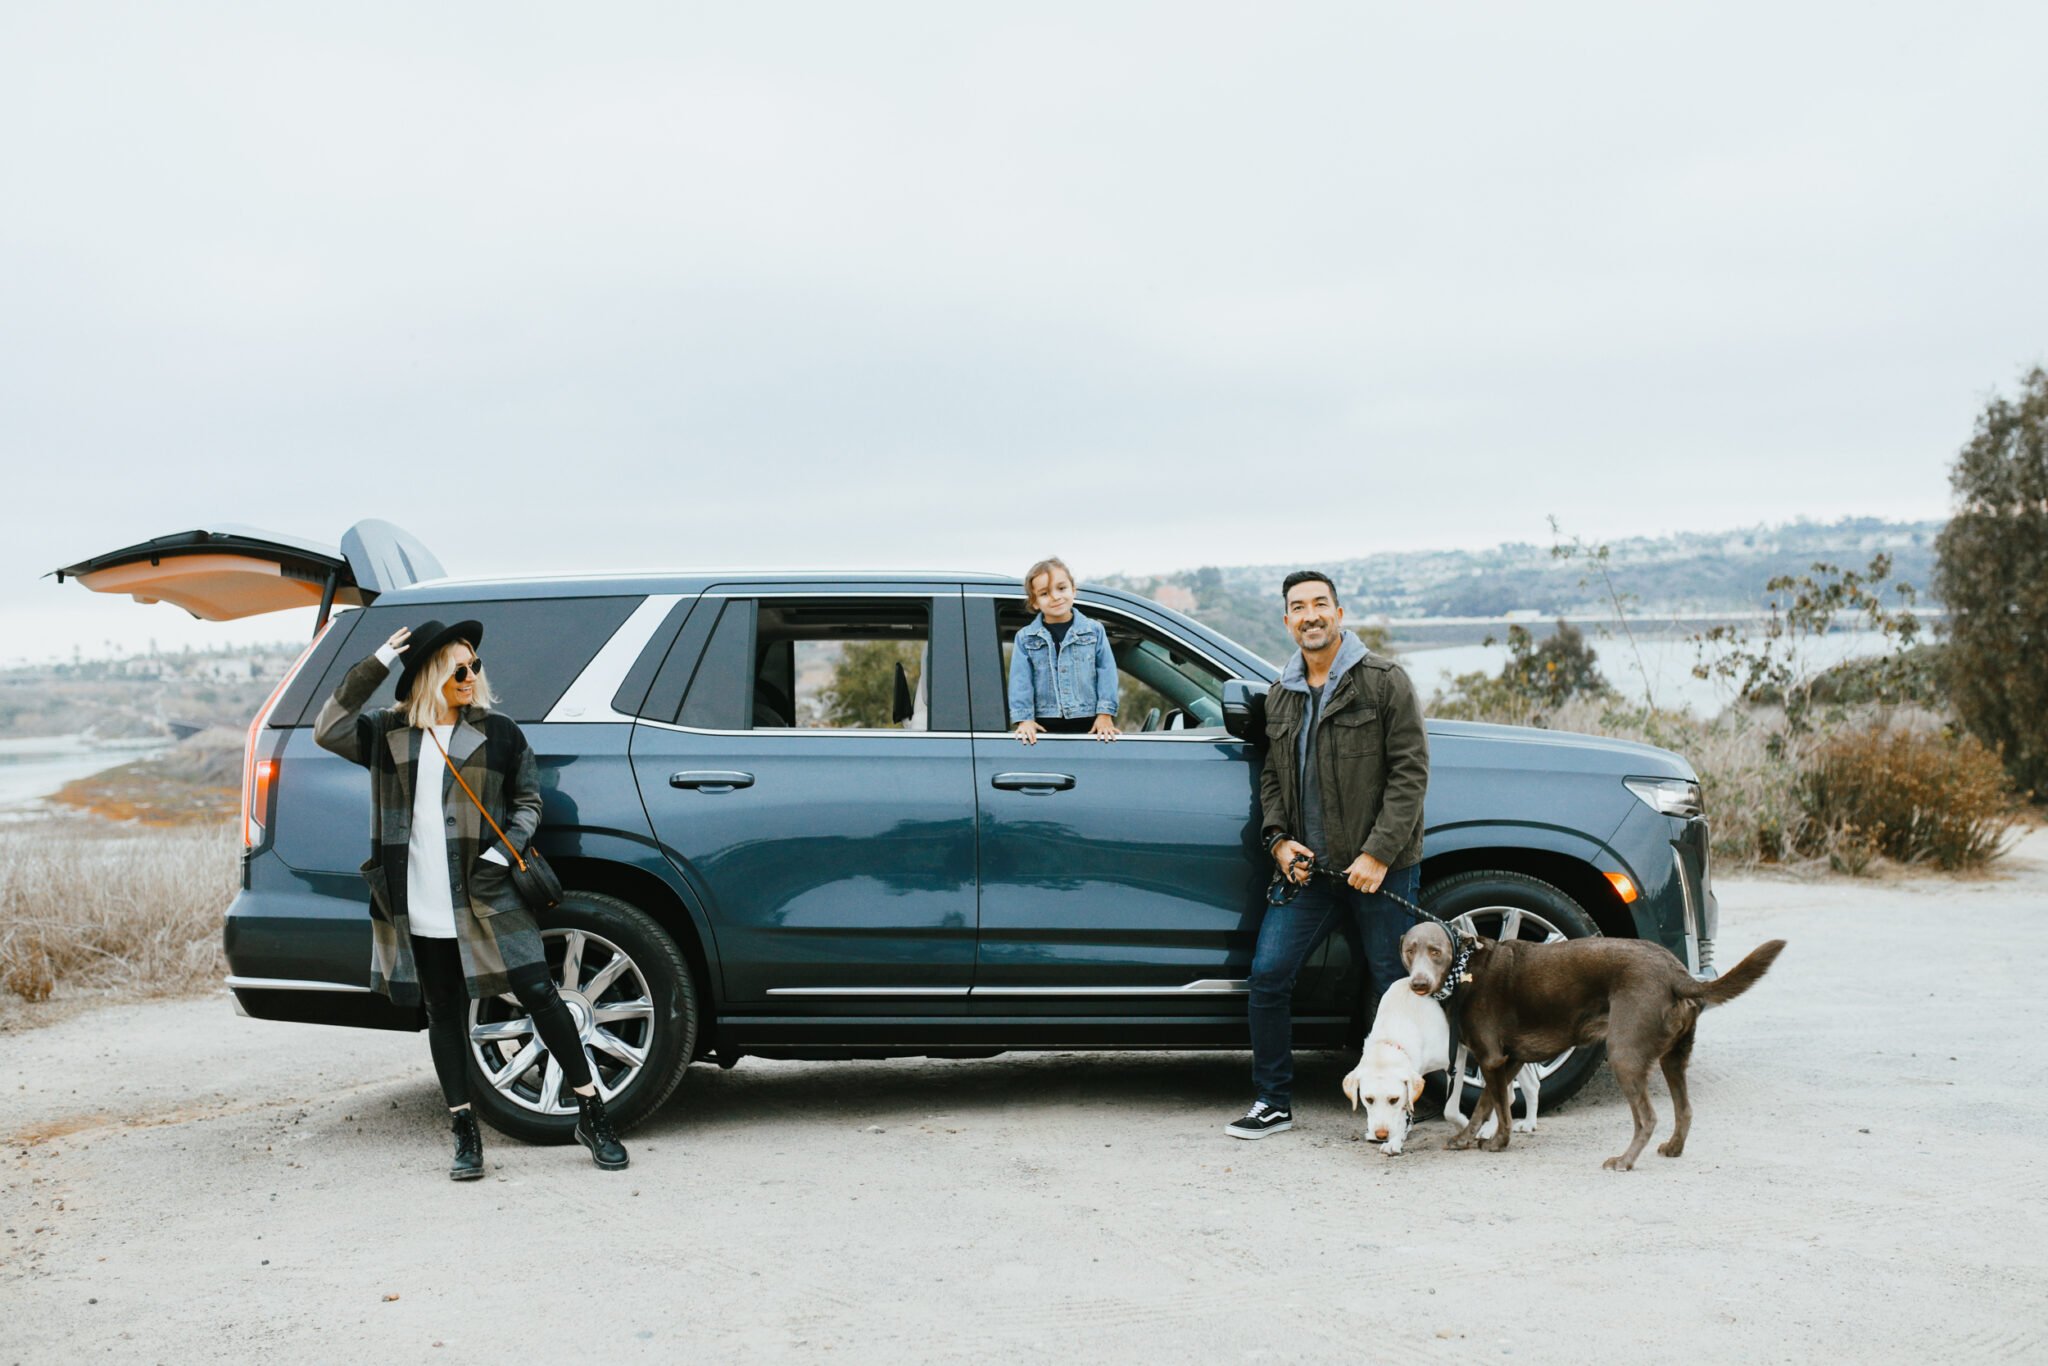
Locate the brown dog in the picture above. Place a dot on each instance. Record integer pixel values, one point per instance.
(1528, 1002)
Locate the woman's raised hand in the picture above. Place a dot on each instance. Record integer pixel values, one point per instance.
(398, 639)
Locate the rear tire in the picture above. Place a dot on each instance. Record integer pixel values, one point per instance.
(1490, 901)
(635, 1005)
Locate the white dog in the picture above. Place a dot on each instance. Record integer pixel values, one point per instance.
(1410, 1039)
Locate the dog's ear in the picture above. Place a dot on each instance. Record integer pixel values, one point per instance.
(1351, 1088)
(1415, 1094)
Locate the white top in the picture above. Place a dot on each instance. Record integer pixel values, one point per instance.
(429, 908)
(427, 902)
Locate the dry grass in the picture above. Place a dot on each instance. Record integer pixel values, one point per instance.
(87, 904)
(1765, 807)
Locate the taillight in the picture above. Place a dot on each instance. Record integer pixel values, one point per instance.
(259, 776)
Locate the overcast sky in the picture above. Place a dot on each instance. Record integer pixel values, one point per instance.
(1149, 286)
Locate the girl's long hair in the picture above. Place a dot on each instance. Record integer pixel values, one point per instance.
(423, 703)
(1044, 566)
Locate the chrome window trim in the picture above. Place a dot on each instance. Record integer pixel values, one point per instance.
(1216, 735)
(288, 984)
(588, 700)
(815, 732)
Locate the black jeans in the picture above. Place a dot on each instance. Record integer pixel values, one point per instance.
(1289, 934)
(447, 997)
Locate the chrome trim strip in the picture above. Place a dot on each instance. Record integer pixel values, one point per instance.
(1208, 986)
(867, 991)
(589, 698)
(1692, 912)
(288, 984)
(815, 732)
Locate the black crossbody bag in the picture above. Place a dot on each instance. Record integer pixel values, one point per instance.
(532, 878)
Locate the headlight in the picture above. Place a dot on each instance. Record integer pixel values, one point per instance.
(1668, 796)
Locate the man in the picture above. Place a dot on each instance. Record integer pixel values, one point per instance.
(1347, 764)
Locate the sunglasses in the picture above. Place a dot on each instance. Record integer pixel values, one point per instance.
(463, 671)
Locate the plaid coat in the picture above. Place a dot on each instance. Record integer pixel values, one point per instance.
(494, 930)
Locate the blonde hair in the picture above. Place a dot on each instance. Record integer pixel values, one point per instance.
(1044, 566)
(423, 703)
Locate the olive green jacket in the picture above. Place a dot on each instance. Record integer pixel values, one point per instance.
(1372, 758)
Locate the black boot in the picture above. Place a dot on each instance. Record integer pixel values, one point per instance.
(594, 1131)
(469, 1148)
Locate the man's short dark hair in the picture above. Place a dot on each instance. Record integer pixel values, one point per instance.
(1301, 576)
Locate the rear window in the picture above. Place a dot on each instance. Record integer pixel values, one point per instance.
(532, 648)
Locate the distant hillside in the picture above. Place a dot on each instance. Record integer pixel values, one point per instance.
(1685, 575)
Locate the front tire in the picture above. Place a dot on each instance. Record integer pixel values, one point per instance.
(631, 995)
(1503, 905)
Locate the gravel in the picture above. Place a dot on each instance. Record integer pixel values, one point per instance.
(1864, 1182)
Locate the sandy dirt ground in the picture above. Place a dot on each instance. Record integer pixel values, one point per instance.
(1865, 1181)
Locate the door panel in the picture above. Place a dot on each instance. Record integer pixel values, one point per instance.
(832, 863)
(1135, 867)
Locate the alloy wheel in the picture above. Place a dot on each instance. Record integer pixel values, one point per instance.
(609, 1000)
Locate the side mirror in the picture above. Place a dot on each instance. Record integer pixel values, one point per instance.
(1244, 709)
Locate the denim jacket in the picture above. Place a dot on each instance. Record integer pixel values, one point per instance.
(1082, 683)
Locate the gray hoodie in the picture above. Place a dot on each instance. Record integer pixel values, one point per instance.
(1295, 677)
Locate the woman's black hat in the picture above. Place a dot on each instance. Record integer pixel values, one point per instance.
(427, 640)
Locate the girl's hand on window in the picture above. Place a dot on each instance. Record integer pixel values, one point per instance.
(1104, 727)
(1028, 731)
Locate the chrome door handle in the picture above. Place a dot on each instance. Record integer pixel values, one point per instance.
(711, 779)
(1038, 784)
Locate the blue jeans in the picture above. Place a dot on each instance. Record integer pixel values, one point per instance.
(1289, 934)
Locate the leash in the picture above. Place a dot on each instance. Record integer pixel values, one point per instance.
(1284, 889)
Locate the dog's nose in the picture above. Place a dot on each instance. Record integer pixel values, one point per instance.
(1419, 985)
(1379, 1133)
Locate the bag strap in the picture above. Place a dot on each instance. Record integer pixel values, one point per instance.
(479, 805)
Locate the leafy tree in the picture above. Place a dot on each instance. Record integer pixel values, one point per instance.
(862, 692)
(1991, 569)
(1536, 679)
(1775, 665)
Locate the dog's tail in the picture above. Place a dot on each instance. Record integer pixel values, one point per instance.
(1743, 975)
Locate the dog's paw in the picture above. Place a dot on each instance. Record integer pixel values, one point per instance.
(1392, 1149)
(1525, 1126)
(1671, 1147)
(1497, 1144)
(1618, 1164)
(1458, 1142)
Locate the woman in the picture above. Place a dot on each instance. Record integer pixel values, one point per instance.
(446, 923)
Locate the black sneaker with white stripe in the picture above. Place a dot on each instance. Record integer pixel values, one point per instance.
(1260, 1120)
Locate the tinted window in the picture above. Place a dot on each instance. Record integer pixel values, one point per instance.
(532, 649)
(303, 697)
(829, 664)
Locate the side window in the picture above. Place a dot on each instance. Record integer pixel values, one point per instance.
(532, 649)
(815, 664)
(1160, 684)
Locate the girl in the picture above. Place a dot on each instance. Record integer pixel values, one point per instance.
(446, 923)
(1062, 673)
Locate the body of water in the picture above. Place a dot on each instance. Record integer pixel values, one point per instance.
(35, 767)
(1667, 661)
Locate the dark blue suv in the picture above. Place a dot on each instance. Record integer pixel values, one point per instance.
(796, 826)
